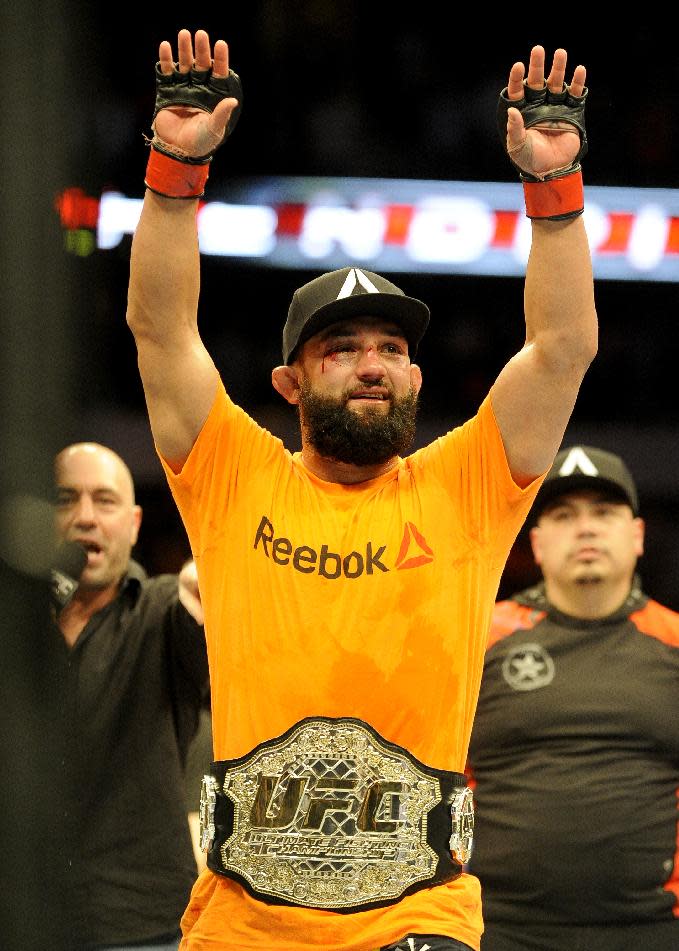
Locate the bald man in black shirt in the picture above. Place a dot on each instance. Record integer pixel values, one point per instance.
(135, 677)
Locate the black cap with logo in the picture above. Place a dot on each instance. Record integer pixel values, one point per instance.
(584, 467)
(350, 292)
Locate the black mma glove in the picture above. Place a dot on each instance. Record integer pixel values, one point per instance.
(197, 89)
(563, 195)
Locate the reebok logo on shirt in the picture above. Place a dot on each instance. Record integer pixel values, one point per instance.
(414, 551)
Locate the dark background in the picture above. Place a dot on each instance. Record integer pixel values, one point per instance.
(352, 89)
(355, 89)
(344, 88)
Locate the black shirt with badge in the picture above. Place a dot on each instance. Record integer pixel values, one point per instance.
(574, 757)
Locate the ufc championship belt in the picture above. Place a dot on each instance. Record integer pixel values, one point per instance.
(331, 815)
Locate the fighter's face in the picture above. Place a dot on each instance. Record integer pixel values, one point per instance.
(358, 392)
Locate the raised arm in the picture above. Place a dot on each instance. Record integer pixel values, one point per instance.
(197, 104)
(534, 395)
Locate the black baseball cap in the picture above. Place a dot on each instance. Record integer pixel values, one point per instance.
(584, 467)
(350, 292)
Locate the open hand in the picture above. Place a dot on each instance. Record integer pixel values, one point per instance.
(551, 144)
(192, 131)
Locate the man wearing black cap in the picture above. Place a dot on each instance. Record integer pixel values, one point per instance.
(575, 750)
(348, 588)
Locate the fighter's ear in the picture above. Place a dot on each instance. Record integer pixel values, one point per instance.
(285, 381)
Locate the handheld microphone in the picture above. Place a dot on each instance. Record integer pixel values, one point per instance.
(67, 566)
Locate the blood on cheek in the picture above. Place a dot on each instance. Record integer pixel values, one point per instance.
(345, 357)
(335, 357)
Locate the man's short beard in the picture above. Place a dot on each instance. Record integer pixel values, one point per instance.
(588, 578)
(361, 439)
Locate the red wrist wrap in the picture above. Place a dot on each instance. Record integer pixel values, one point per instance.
(173, 178)
(556, 198)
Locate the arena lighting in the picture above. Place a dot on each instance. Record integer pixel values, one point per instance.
(393, 225)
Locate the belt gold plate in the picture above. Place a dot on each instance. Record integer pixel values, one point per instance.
(330, 817)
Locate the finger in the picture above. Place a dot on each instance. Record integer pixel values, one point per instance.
(185, 48)
(165, 57)
(515, 84)
(219, 118)
(203, 54)
(577, 87)
(536, 68)
(557, 73)
(516, 130)
(220, 62)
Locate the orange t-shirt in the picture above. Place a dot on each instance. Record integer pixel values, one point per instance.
(370, 601)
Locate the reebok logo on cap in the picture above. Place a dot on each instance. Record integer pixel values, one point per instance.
(355, 277)
(578, 459)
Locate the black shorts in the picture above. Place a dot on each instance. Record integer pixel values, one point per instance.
(525, 936)
(426, 942)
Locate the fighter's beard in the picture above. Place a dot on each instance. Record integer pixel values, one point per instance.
(361, 439)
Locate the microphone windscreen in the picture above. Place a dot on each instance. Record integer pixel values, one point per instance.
(70, 558)
(67, 567)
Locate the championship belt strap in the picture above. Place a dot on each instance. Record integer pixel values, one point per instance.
(331, 815)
